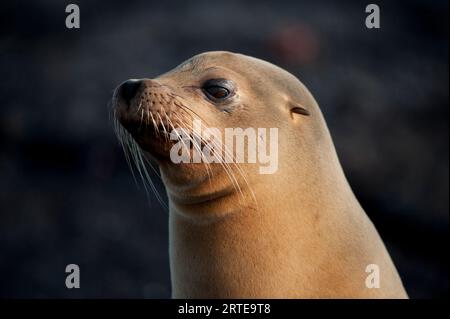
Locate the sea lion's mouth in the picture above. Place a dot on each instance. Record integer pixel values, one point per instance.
(141, 130)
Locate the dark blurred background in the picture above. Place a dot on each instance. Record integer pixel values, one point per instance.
(67, 196)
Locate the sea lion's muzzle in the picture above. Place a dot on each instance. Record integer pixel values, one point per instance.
(148, 110)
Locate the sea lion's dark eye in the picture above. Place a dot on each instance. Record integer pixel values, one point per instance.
(217, 92)
(217, 89)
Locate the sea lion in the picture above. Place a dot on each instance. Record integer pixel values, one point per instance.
(235, 233)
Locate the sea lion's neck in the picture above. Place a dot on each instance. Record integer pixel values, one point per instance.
(306, 233)
(216, 252)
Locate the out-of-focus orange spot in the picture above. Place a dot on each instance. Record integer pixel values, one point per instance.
(296, 44)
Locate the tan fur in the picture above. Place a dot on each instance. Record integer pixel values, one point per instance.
(306, 236)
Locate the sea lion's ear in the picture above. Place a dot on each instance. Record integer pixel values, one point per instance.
(298, 109)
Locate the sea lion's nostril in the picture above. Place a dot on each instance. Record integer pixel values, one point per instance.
(129, 88)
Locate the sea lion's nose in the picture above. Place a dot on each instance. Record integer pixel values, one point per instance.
(129, 88)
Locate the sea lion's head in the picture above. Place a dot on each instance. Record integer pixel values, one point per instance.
(222, 90)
